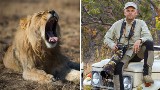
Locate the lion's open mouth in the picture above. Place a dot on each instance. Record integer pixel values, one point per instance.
(50, 30)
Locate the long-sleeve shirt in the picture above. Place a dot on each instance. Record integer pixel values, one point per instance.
(141, 31)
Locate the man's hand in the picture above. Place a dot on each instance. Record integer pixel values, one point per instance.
(115, 48)
(136, 46)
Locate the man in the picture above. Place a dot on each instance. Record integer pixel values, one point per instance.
(134, 34)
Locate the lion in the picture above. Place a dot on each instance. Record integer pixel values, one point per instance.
(35, 50)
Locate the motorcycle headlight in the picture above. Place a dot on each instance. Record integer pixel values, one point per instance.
(95, 78)
(127, 81)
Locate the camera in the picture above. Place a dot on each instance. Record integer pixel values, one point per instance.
(122, 47)
(108, 69)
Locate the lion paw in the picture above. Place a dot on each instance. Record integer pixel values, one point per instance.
(38, 75)
(50, 78)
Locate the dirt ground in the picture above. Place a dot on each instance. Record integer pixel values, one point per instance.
(10, 13)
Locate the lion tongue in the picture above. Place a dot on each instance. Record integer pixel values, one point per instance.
(53, 39)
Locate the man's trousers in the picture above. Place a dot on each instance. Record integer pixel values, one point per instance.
(146, 52)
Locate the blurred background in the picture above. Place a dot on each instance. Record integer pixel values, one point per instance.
(10, 13)
(97, 16)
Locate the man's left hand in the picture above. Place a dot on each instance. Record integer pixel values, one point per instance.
(136, 46)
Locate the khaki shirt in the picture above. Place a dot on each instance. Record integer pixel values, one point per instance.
(140, 32)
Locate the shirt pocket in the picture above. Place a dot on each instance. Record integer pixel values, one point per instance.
(135, 37)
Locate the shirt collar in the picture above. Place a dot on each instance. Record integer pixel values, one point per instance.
(127, 22)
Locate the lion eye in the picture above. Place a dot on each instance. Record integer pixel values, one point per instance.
(44, 18)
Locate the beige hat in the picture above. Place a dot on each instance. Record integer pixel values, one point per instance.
(132, 4)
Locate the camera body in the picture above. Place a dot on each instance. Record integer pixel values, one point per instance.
(122, 47)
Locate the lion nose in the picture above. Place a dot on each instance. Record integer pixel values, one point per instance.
(54, 14)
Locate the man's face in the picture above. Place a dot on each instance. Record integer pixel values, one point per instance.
(130, 13)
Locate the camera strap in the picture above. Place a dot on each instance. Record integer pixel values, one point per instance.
(131, 33)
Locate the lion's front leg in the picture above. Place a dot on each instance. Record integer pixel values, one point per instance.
(39, 76)
(73, 76)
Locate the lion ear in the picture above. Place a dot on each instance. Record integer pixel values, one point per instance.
(24, 22)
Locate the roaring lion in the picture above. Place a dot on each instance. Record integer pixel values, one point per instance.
(35, 50)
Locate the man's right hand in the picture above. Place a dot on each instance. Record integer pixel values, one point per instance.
(115, 48)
